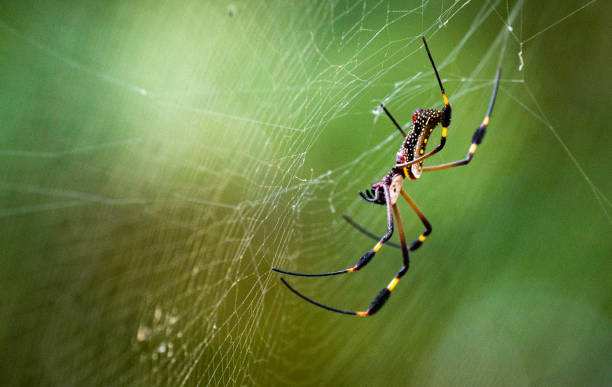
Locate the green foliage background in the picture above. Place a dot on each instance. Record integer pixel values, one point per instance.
(157, 158)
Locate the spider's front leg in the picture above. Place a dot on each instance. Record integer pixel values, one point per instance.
(478, 134)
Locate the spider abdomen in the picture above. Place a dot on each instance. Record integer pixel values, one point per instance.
(424, 122)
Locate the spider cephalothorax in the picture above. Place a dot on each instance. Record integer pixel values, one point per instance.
(409, 165)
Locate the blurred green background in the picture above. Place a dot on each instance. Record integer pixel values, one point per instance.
(156, 158)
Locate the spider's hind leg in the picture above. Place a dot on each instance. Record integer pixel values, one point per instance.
(428, 229)
(382, 297)
(367, 257)
(416, 243)
(367, 233)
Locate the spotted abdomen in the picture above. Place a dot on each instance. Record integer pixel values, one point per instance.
(424, 122)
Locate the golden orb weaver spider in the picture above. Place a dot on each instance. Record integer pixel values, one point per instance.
(387, 191)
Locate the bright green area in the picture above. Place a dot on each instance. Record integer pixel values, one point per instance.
(157, 159)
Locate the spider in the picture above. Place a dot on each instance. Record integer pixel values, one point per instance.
(409, 165)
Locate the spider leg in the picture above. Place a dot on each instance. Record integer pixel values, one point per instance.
(446, 117)
(366, 232)
(419, 241)
(367, 196)
(393, 119)
(478, 134)
(416, 243)
(365, 259)
(330, 308)
(372, 196)
(382, 297)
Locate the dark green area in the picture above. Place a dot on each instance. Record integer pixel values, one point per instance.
(157, 159)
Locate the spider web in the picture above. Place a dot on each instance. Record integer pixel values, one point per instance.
(157, 162)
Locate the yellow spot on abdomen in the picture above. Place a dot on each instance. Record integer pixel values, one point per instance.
(362, 314)
(473, 148)
(422, 238)
(444, 129)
